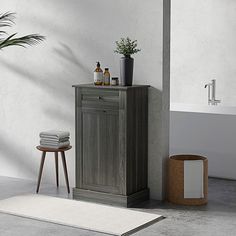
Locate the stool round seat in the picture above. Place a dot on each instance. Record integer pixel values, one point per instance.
(46, 149)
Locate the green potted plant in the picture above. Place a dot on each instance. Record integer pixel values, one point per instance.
(126, 47)
(7, 20)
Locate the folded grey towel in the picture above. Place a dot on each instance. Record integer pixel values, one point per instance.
(57, 134)
(50, 139)
(57, 144)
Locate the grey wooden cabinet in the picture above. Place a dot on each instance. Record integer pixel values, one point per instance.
(111, 144)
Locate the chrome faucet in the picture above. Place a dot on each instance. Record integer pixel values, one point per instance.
(212, 93)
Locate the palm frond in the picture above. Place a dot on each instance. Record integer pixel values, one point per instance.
(7, 19)
(2, 32)
(28, 40)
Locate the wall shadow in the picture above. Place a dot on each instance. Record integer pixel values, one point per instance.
(13, 152)
(67, 53)
(47, 84)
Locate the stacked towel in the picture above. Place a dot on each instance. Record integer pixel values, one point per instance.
(54, 139)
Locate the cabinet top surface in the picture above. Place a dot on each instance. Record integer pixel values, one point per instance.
(117, 87)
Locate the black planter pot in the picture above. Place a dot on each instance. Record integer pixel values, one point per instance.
(126, 71)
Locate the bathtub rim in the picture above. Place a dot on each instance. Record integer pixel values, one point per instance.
(202, 108)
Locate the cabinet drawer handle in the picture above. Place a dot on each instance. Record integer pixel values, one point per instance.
(99, 97)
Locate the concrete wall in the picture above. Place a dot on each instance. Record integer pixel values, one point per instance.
(36, 92)
(203, 48)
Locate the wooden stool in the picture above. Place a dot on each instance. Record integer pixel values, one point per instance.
(62, 151)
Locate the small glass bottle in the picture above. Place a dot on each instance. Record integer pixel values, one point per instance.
(98, 75)
(106, 76)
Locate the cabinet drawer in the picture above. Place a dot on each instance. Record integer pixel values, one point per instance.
(100, 98)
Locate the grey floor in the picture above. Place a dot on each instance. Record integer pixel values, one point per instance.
(217, 218)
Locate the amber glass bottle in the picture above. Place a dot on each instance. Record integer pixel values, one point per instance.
(106, 77)
(98, 75)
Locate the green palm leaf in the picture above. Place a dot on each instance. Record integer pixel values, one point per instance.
(6, 20)
(30, 40)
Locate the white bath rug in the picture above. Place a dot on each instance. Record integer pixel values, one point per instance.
(83, 215)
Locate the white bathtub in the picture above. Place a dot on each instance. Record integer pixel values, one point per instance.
(206, 130)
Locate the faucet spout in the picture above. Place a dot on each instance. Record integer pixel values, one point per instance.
(212, 93)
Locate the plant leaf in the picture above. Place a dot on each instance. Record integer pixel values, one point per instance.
(126, 46)
(30, 40)
(7, 19)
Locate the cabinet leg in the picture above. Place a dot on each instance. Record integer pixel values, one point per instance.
(65, 170)
(40, 170)
(56, 165)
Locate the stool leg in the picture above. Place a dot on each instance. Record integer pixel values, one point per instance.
(56, 165)
(41, 170)
(65, 170)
